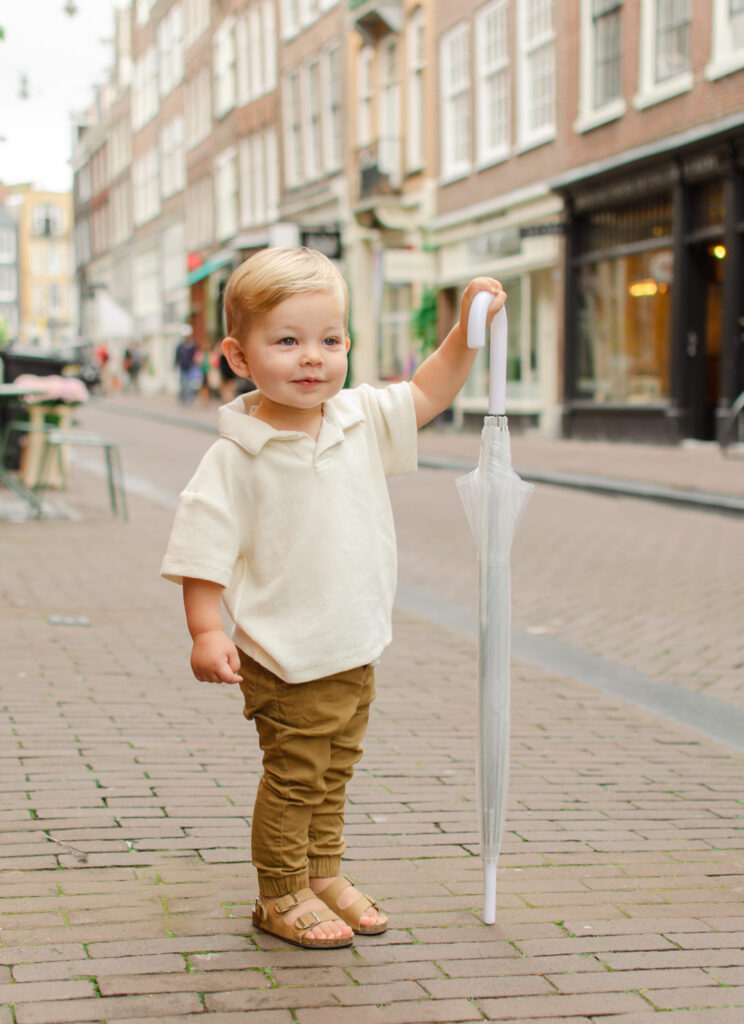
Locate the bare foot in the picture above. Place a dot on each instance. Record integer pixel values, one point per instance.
(370, 916)
(335, 929)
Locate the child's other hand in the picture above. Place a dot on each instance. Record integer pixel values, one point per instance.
(215, 658)
(481, 284)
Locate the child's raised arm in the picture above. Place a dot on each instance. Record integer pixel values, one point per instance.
(214, 657)
(440, 377)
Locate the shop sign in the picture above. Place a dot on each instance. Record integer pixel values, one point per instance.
(496, 243)
(539, 230)
(326, 241)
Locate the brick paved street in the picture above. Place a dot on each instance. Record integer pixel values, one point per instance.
(128, 787)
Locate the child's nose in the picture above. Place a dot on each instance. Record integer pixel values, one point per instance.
(313, 353)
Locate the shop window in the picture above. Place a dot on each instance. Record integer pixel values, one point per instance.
(624, 310)
(398, 349)
(522, 368)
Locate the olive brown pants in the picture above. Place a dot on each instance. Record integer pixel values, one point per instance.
(311, 735)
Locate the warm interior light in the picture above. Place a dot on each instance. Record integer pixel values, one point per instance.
(647, 287)
(719, 251)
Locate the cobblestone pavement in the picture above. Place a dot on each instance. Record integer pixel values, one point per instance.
(128, 787)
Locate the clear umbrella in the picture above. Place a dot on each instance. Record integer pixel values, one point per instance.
(494, 498)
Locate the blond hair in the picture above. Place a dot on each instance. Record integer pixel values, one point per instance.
(272, 275)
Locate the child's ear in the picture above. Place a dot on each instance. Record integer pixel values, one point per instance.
(236, 357)
(348, 342)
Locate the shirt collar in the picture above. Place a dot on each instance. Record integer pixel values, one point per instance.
(237, 424)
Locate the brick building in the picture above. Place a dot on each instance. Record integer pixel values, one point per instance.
(588, 153)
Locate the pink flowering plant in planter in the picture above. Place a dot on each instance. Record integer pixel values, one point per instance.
(57, 390)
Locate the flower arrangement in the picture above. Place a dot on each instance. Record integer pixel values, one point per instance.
(57, 390)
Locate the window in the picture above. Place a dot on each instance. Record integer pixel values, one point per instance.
(398, 349)
(364, 95)
(290, 18)
(120, 147)
(537, 72)
(170, 45)
(293, 130)
(455, 72)
(172, 157)
(146, 187)
(600, 64)
(8, 284)
(625, 303)
(332, 108)
(606, 37)
(256, 51)
(416, 62)
(144, 9)
(173, 258)
(225, 83)
(728, 38)
(313, 136)
(195, 20)
(199, 214)
(145, 88)
(146, 301)
(672, 38)
(389, 113)
(121, 213)
(7, 245)
(198, 106)
(259, 186)
(664, 65)
(492, 69)
(47, 220)
(226, 193)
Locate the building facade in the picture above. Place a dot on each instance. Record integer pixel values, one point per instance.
(43, 277)
(589, 154)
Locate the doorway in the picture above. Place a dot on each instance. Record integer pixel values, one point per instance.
(703, 338)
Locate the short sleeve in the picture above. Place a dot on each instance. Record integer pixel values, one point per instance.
(203, 542)
(392, 414)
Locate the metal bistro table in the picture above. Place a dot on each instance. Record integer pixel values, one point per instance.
(9, 393)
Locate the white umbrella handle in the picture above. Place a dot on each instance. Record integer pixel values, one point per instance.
(497, 357)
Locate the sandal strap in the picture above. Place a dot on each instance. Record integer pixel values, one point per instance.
(293, 899)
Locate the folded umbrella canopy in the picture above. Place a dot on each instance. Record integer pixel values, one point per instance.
(494, 498)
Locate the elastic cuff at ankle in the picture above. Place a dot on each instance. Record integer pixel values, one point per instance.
(280, 885)
(324, 867)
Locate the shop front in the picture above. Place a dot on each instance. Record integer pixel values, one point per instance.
(653, 296)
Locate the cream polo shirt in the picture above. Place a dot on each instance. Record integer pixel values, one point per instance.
(300, 532)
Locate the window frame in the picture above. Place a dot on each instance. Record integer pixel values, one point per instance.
(452, 93)
(650, 91)
(529, 45)
(486, 155)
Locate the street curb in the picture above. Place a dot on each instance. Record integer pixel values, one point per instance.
(703, 501)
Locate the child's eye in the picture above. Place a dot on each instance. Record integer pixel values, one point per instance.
(330, 342)
(287, 341)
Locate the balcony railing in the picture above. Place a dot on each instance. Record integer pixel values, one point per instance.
(379, 164)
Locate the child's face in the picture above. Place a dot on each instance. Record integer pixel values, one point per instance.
(296, 353)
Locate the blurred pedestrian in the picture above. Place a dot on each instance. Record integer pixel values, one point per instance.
(184, 360)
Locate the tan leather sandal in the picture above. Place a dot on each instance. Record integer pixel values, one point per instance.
(273, 919)
(352, 914)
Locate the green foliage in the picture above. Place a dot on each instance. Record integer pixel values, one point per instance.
(424, 322)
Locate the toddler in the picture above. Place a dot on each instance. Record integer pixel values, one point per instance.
(287, 520)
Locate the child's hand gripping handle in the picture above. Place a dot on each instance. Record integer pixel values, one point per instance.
(497, 358)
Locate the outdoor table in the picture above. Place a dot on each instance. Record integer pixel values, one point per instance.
(9, 393)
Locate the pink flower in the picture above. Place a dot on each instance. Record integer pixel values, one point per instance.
(62, 390)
